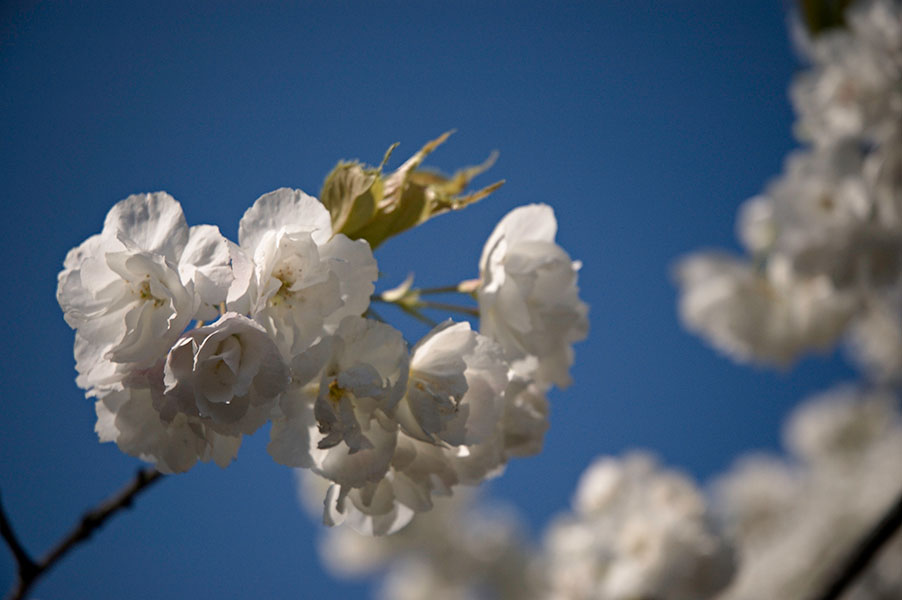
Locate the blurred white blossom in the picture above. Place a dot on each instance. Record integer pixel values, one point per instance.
(770, 316)
(852, 88)
(458, 550)
(793, 520)
(825, 238)
(637, 531)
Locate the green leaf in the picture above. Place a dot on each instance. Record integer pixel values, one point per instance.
(351, 194)
(365, 204)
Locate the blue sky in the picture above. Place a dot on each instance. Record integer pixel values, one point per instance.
(644, 124)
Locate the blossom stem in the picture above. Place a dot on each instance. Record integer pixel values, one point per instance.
(864, 552)
(29, 571)
(417, 315)
(473, 312)
(447, 289)
(413, 311)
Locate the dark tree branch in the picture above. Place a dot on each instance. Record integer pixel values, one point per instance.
(30, 571)
(26, 566)
(864, 552)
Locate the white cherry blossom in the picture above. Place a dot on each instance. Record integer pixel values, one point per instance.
(455, 387)
(128, 416)
(525, 419)
(755, 499)
(381, 482)
(206, 262)
(837, 427)
(528, 297)
(229, 374)
(129, 292)
(511, 423)
(338, 416)
(756, 226)
(825, 238)
(304, 279)
(217, 383)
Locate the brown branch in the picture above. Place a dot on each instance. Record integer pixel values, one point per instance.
(864, 552)
(26, 566)
(30, 571)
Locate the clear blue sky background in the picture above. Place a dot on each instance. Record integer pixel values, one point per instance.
(644, 124)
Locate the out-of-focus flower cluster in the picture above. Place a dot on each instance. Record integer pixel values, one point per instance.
(824, 240)
(794, 520)
(637, 531)
(774, 527)
(189, 341)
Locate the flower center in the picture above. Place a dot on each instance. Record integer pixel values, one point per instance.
(143, 292)
(336, 392)
(287, 275)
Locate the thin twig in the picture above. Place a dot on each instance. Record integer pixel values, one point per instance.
(413, 312)
(473, 312)
(864, 552)
(30, 571)
(418, 315)
(26, 566)
(447, 289)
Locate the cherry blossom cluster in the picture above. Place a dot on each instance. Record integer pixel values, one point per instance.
(189, 341)
(824, 240)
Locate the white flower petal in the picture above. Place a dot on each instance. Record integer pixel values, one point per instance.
(533, 222)
(528, 295)
(149, 222)
(205, 261)
(284, 209)
(356, 469)
(290, 438)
